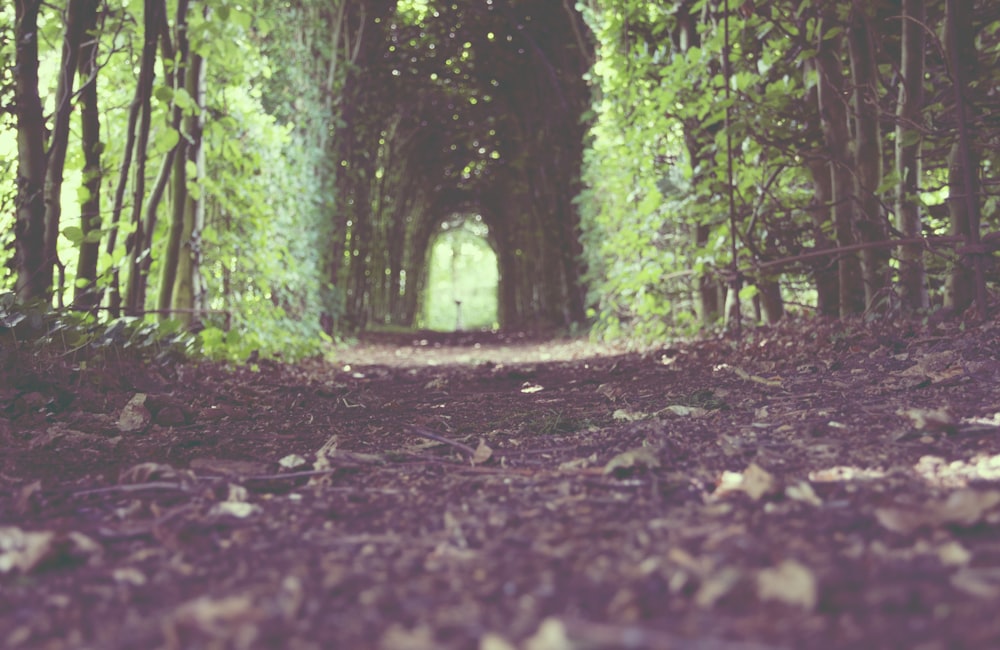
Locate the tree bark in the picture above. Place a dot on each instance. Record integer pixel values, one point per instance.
(964, 160)
(154, 12)
(868, 156)
(29, 226)
(909, 136)
(74, 20)
(833, 118)
(187, 299)
(177, 161)
(86, 296)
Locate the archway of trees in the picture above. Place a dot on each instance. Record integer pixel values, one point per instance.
(270, 167)
(464, 108)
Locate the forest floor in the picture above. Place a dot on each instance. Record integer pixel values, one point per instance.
(818, 485)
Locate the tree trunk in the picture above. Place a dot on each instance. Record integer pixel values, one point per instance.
(75, 19)
(154, 12)
(912, 281)
(188, 295)
(86, 296)
(833, 118)
(867, 156)
(177, 160)
(824, 272)
(963, 159)
(29, 226)
(772, 304)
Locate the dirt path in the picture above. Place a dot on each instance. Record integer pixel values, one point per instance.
(820, 486)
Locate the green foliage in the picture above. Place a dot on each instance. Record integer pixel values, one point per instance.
(463, 267)
(267, 191)
(38, 329)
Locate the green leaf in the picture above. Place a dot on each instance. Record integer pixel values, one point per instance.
(74, 234)
(164, 94)
(168, 139)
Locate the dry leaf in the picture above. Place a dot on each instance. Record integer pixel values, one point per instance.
(625, 415)
(149, 472)
(755, 481)
(979, 582)
(292, 461)
(963, 507)
(803, 491)
(791, 583)
(551, 635)
(716, 586)
(493, 641)
(954, 554)
(685, 411)
(233, 618)
(238, 509)
(640, 457)
(930, 419)
(398, 637)
(135, 417)
(25, 550)
(483, 453)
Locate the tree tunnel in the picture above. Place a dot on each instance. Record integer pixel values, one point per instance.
(460, 289)
(460, 108)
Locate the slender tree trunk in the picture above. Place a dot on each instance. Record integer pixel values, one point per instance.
(178, 172)
(825, 274)
(154, 12)
(769, 296)
(868, 156)
(833, 117)
(821, 212)
(29, 227)
(909, 111)
(188, 296)
(86, 296)
(74, 20)
(964, 160)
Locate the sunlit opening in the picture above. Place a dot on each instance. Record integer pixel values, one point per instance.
(462, 278)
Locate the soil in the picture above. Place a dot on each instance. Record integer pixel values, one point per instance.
(820, 485)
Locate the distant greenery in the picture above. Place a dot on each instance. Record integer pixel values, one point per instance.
(463, 267)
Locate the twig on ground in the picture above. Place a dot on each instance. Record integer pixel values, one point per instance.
(430, 435)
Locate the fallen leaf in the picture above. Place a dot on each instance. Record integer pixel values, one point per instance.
(238, 509)
(551, 635)
(639, 457)
(149, 472)
(292, 461)
(625, 415)
(983, 582)
(954, 554)
(803, 491)
(493, 641)
(398, 637)
(963, 507)
(930, 419)
(483, 453)
(716, 586)
(135, 417)
(233, 618)
(25, 550)
(791, 583)
(755, 481)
